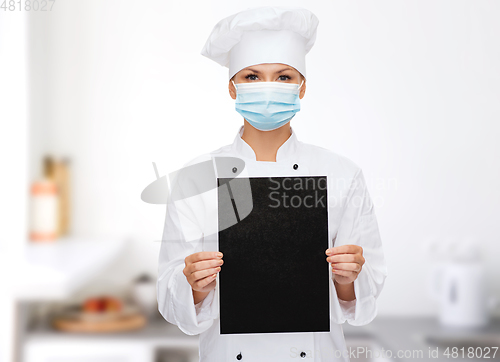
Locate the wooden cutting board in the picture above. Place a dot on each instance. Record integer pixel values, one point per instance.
(118, 324)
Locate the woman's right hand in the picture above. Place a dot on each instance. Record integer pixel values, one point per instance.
(201, 270)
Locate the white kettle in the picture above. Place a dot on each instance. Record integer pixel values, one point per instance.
(459, 285)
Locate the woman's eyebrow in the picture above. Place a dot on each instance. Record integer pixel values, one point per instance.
(279, 71)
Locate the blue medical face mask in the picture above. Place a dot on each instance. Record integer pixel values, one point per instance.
(267, 105)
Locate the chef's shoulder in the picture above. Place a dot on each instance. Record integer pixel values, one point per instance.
(222, 151)
(324, 158)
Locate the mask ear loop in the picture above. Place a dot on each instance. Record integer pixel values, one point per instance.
(300, 86)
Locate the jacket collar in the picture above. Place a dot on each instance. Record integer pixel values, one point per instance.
(286, 151)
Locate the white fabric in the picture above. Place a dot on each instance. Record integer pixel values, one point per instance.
(269, 34)
(351, 220)
(348, 308)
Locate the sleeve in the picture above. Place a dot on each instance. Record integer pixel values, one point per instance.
(182, 236)
(348, 308)
(359, 226)
(203, 308)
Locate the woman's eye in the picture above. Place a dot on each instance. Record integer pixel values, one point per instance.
(251, 76)
(284, 77)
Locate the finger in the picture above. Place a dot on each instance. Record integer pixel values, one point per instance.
(202, 283)
(197, 275)
(347, 267)
(202, 255)
(345, 258)
(344, 249)
(344, 273)
(204, 264)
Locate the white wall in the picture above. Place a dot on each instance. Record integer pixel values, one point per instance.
(14, 162)
(408, 90)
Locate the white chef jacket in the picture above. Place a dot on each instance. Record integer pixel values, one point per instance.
(191, 226)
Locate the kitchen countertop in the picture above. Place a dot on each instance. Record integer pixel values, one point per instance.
(406, 334)
(409, 334)
(55, 270)
(157, 332)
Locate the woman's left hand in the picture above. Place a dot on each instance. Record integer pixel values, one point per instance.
(347, 261)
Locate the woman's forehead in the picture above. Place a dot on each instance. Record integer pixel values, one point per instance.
(269, 67)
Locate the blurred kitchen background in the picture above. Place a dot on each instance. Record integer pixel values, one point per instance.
(92, 92)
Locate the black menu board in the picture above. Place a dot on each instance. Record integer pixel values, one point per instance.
(275, 277)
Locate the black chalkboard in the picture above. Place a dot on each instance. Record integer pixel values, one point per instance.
(275, 277)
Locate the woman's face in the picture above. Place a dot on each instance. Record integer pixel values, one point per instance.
(267, 72)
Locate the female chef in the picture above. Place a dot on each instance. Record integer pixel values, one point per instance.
(264, 49)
